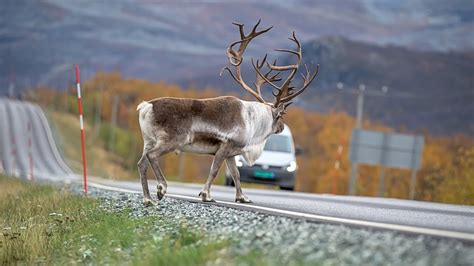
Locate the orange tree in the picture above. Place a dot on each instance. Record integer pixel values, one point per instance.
(446, 174)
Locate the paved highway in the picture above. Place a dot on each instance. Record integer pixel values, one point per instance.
(14, 134)
(443, 220)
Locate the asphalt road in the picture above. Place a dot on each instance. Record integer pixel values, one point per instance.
(14, 135)
(363, 211)
(392, 211)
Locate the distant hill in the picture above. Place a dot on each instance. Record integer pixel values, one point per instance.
(175, 40)
(426, 90)
(430, 90)
(184, 42)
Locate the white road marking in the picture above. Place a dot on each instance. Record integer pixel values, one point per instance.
(96, 185)
(313, 217)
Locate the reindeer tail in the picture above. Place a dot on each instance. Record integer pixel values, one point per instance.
(141, 105)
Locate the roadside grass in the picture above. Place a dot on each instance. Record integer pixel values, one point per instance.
(100, 162)
(45, 224)
(34, 220)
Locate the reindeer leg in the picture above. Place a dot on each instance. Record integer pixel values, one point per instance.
(142, 167)
(234, 172)
(152, 156)
(219, 158)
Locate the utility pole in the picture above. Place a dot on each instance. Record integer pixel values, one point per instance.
(359, 117)
(360, 106)
(359, 125)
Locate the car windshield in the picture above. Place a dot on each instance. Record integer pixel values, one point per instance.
(278, 143)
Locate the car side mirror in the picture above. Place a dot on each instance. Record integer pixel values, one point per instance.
(298, 151)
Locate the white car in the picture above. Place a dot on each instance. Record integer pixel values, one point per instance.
(276, 166)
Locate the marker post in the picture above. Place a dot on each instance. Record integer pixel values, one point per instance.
(81, 120)
(13, 154)
(30, 155)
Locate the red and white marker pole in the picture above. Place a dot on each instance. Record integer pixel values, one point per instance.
(337, 167)
(81, 120)
(30, 156)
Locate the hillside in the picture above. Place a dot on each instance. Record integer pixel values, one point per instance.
(175, 40)
(427, 90)
(184, 43)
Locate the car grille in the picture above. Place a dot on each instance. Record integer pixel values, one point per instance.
(270, 167)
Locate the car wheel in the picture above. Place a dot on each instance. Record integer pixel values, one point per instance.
(287, 188)
(229, 182)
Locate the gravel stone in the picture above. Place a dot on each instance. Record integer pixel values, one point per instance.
(287, 241)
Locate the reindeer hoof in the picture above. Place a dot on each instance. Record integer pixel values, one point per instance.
(161, 191)
(206, 197)
(148, 202)
(208, 200)
(243, 199)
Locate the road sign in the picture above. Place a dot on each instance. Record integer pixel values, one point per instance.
(387, 150)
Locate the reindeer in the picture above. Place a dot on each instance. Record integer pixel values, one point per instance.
(223, 126)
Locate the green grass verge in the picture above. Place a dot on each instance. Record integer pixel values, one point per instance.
(44, 224)
(100, 162)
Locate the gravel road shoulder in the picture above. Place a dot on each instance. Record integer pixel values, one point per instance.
(286, 241)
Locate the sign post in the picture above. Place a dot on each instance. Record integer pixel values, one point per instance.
(337, 167)
(81, 121)
(413, 170)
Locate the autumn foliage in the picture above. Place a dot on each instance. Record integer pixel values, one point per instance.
(447, 173)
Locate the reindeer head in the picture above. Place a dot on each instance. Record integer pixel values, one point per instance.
(283, 92)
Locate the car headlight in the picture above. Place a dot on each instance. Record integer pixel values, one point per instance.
(239, 161)
(291, 167)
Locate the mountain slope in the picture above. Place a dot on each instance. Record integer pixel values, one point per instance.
(182, 42)
(172, 40)
(427, 90)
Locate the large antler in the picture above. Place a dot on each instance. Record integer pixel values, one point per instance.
(236, 59)
(286, 92)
